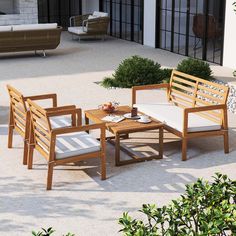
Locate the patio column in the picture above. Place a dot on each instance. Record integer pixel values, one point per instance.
(149, 23)
(230, 36)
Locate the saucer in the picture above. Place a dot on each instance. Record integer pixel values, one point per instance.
(144, 122)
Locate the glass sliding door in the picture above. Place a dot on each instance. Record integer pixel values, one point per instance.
(58, 11)
(126, 18)
(193, 28)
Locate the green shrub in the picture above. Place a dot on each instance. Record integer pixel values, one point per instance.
(196, 68)
(137, 71)
(48, 232)
(204, 209)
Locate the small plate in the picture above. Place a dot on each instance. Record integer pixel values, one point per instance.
(128, 116)
(144, 122)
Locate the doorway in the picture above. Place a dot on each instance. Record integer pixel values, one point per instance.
(192, 28)
(58, 11)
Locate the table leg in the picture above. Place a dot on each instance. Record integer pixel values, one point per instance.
(87, 122)
(117, 149)
(161, 131)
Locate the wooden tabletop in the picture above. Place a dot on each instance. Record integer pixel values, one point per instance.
(125, 126)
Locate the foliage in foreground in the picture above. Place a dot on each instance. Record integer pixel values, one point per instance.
(137, 71)
(198, 68)
(48, 232)
(205, 209)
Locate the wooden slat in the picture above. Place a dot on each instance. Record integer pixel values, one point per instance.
(16, 109)
(209, 97)
(205, 115)
(179, 99)
(43, 137)
(214, 91)
(184, 81)
(40, 142)
(19, 119)
(41, 129)
(182, 87)
(182, 93)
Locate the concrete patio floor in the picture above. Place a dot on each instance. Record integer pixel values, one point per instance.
(80, 202)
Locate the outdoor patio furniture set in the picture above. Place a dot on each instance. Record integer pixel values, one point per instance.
(195, 108)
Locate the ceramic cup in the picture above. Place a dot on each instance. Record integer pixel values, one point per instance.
(144, 118)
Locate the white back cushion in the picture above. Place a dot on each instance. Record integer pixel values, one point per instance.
(100, 14)
(92, 17)
(5, 28)
(34, 27)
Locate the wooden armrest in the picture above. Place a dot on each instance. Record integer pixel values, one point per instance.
(52, 96)
(60, 108)
(147, 87)
(76, 114)
(202, 109)
(67, 130)
(205, 108)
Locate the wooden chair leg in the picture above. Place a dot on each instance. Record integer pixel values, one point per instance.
(226, 142)
(10, 136)
(50, 175)
(103, 167)
(30, 156)
(184, 149)
(25, 155)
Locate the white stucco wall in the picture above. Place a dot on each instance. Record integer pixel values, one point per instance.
(149, 36)
(89, 6)
(230, 36)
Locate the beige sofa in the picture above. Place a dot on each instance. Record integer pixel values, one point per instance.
(32, 37)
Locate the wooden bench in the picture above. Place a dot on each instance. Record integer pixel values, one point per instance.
(195, 108)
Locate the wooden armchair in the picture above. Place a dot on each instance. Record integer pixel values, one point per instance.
(63, 145)
(19, 116)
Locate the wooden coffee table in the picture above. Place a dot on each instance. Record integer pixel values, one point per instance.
(122, 130)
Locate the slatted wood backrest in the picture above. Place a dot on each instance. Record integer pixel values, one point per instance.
(41, 128)
(18, 109)
(190, 91)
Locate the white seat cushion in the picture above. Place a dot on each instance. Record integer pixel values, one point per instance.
(78, 30)
(173, 115)
(34, 27)
(69, 145)
(6, 28)
(100, 14)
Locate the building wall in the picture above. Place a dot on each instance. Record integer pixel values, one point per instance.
(230, 36)
(27, 13)
(149, 36)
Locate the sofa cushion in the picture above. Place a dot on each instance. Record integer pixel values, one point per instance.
(75, 144)
(173, 115)
(100, 14)
(5, 28)
(34, 27)
(78, 30)
(92, 17)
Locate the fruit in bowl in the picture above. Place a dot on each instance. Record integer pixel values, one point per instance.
(109, 107)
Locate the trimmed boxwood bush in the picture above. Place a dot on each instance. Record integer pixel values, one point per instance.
(205, 209)
(137, 71)
(200, 69)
